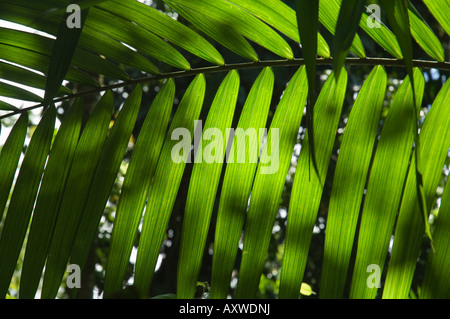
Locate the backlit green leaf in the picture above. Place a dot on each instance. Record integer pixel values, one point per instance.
(166, 182)
(76, 194)
(283, 18)
(440, 10)
(385, 185)
(23, 197)
(307, 191)
(349, 181)
(48, 200)
(225, 19)
(136, 185)
(410, 227)
(237, 183)
(165, 27)
(108, 165)
(425, 37)
(203, 185)
(269, 180)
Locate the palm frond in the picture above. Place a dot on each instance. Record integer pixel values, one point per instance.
(390, 145)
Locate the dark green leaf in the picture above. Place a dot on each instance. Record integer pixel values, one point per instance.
(9, 158)
(76, 193)
(63, 51)
(346, 26)
(237, 183)
(136, 185)
(48, 200)
(23, 197)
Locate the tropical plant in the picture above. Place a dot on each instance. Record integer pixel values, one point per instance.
(383, 184)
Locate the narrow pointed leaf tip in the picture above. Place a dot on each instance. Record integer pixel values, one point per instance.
(308, 24)
(64, 49)
(347, 24)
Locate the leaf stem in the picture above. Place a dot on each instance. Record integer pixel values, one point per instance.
(239, 66)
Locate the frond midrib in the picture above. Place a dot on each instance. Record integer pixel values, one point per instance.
(240, 66)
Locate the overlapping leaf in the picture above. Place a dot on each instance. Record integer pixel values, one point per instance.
(121, 36)
(76, 192)
(48, 200)
(410, 227)
(349, 181)
(237, 183)
(281, 17)
(385, 185)
(228, 24)
(166, 181)
(23, 197)
(307, 191)
(203, 184)
(269, 180)
(136, 186)
(63, 50)
(108, 165)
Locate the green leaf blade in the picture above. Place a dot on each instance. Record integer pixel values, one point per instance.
(47, 203)
(268, 184)
(440, 10)
(205, 179)
(435, 141)
(381, 35)
(9, 158)
(166, 27)
(137, 37)
(308, 24)
(136, 186)
(18, 93)
(76, 193)
(436, 282)
(165, 185)
(385, 185)
(425, 37)
(20, 75)
(348, 183)
(62, 54)
(237, 183)
(226, 16)
(109, 163)
(346, 26)
(307, 191)
(23, 197)
(328, 16)
(281, 17)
